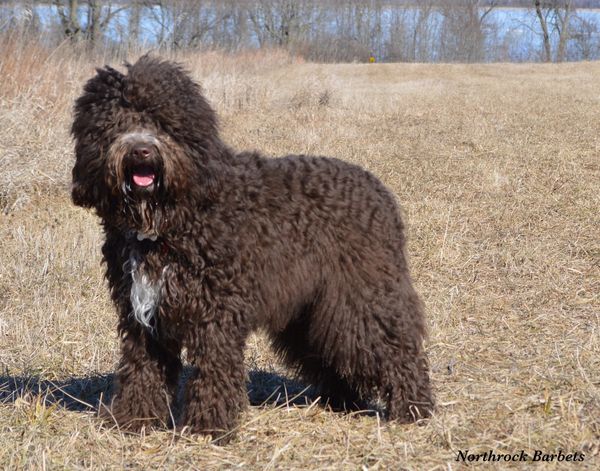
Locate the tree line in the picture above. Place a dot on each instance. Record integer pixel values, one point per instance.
(327, 30)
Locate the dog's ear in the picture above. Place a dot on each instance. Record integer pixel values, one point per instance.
(94, 117)
(84, 191)
(89, 181)
(82, 194)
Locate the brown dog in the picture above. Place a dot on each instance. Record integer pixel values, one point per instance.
(204, 245)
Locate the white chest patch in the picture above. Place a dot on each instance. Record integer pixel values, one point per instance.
(145, 293)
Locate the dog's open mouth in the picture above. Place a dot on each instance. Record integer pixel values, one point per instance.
(143, 179)
(143, 176)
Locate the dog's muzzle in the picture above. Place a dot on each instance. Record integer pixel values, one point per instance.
(143, 170)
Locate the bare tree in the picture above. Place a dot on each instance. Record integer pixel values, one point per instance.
(585, 37)
(422, 24)
(232, 31)
(412, 28)
(554, 16)
(279, 22)
(98, 18)
(133, 26)
(186, 23)
(68, 17)
(326, 30)
(464, 29)
(543, 19)
(562, 23)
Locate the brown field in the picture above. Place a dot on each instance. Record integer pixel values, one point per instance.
(497, 168)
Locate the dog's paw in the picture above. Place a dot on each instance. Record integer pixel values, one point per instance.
(126, 420)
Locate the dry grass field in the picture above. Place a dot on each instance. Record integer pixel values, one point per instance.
(497, 169)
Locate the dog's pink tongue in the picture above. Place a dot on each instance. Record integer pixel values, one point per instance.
(143, 179)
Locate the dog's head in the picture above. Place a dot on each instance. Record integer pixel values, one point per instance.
(144, 141)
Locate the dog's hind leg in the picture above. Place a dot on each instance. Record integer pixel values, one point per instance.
(406, 390)
(374, 345)
(146, 380)
(391, 365)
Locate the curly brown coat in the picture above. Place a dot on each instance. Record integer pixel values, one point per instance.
(205, 245)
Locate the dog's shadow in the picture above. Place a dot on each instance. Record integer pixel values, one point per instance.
(85, 393)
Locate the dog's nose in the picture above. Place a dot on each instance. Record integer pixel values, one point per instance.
(141, 152)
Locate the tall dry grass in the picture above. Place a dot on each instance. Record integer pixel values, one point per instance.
(497, 169)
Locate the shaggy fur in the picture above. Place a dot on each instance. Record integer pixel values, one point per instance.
(204, 245)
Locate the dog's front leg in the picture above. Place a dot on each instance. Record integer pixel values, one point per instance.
(216, 393)
(146, 380)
